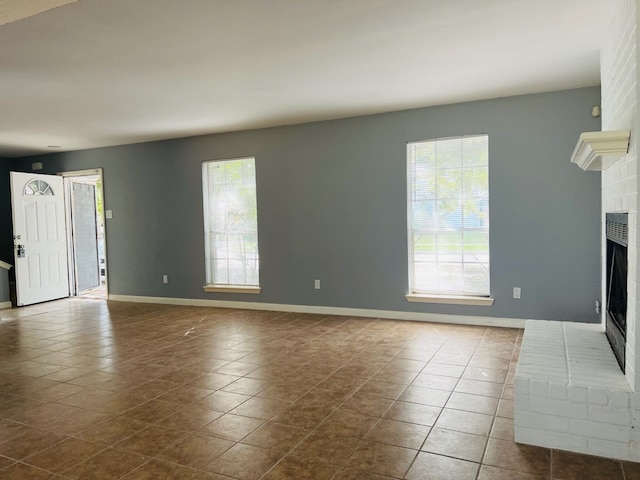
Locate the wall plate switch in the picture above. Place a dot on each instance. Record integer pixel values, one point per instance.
(517, 292)
(165, 278)
(316, 284)
(108, 213)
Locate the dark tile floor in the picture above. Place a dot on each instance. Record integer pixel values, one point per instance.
(105, 390)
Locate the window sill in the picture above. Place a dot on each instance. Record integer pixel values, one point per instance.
(232, 289)
(450, 299)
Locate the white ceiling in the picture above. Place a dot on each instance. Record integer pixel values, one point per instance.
(106, 72)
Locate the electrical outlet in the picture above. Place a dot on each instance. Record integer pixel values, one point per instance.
(598, 307)
(108, 213)
(316, 284)
(165, 278)
(517, 292)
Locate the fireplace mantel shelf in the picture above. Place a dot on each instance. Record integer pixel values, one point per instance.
(599, 150)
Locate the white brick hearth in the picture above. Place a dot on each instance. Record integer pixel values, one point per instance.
(570, 392)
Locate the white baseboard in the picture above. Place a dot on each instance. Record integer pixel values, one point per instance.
(352, 312)
(5, 305)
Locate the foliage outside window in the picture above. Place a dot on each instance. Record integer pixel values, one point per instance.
(448, 216)
(231, 222)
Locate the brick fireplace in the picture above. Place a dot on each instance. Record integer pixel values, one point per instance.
(570, 392)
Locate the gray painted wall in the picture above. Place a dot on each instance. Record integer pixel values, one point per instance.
(332, 206)
(6, 241)
(6, 237)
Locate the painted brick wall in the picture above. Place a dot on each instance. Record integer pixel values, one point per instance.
(619, 60)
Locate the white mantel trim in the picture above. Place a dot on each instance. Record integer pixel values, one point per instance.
(599, 150)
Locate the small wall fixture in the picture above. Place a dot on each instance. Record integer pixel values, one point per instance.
(599, 150)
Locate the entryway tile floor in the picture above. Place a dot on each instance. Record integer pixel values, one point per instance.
(97, 390)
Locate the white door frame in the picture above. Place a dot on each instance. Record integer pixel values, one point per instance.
(85, 173)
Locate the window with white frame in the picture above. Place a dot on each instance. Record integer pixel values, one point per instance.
(448, 216)
(230, 222)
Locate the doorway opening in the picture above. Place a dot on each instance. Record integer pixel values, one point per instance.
(86, 246)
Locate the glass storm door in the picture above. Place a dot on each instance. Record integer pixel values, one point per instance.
(39, 238)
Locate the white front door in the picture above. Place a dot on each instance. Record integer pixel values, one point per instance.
(39, 237)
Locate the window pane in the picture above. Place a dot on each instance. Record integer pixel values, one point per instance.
(450, 277)
(476, 246)
(476, 278)
(424, 247)
(221, 270)
(231, 222)
(426, 277)
(449, 183)
(475, 151)
(449, 246)
(220, 246)
(424, 154)
(475, 182)
(449, 215)
(425, 186)
(424, 216)
(448, 153)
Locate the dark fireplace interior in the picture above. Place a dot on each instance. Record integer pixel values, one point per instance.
(616, 306)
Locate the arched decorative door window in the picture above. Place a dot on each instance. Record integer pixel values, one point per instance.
(37, 187)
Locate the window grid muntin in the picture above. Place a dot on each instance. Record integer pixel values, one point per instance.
(474, 158)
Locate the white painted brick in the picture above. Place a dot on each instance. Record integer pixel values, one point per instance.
(539, 388)
(619, 60)
(606, 448)
(634, 434)
(619, 399)
(541, 422)
(634, 451)
(542, 438)
(522, 403)
(558, 408)
(578, 394)
(521, 385)
(557, 391)
(603, 431)
(616, 416)
(598, 396)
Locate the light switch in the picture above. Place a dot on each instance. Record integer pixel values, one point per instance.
(108, 213)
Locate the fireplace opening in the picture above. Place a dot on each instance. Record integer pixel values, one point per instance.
(616, 283)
